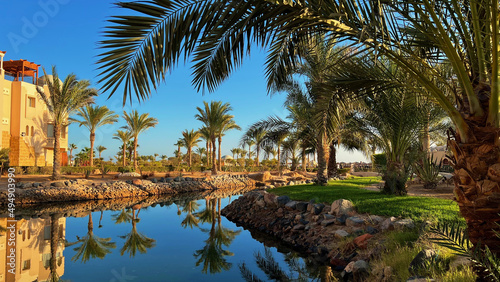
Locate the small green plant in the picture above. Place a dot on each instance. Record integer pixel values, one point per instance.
(454, 237)
(428, 172)
(46, 170)
(87, 173)
(32, 170)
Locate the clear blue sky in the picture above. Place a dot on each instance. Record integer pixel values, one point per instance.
(65, 33)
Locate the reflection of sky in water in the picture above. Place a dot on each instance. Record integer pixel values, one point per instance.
(172, 259)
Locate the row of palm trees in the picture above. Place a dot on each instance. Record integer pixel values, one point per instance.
(75, 97)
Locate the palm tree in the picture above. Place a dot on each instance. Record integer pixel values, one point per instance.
(227, 125)
(201, 151)
(137, 124)
(205, 135)
(178, 153)
(214, 116)
(93, 117)
(71, 147)
(100, 149)
(257, 135)
(189, 140)
(123, 136)
(62, 100)
(190, 220)
(415, 35)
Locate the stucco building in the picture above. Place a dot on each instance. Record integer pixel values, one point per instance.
(26, 125)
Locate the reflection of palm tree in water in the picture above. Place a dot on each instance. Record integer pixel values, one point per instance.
(92, 246)
(136, 241)
(212, 255)
(190, 219)
(298, 271)
(122, 217)
(54, 242)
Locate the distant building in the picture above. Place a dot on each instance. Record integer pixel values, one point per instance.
(26, 125)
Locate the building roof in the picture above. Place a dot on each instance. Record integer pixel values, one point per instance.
(21, 68)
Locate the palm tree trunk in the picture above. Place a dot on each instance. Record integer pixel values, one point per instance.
(257, 157)
(214, 160)
(208, 152)
(135, 154)
(124, 154)
(304, 168)
(56, 173)
(220, 157)
(92, 140)
(322, 158)
(189, 156)
(477, 183)
(426, 139)
(332, 162)
(279, 158)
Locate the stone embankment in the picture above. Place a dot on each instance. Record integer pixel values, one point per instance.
(80, 189)
(331, 234)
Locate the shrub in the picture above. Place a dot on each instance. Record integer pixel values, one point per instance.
(32, 170)
(46, 170)
(18, 170)
(124, 169)
(428, 172)
(344, 171)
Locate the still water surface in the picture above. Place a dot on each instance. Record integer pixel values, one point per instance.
(178, 240)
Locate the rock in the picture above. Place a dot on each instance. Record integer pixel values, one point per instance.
(301, 206)
(299, 227)
(137, 182)
(290, 183)
(291, 205)
(371, 230)
(58, 184)
(342, 207)
(261, 176)
(328, 222)
(362, 241)
(388, 224)
(376, 219)
(283, 200)
(341, 233)
(341, 220)
(318, 208)
(354, 221)
(154, 180)
(404, 224)
(270, 199)
(420, 261)
(360, 267)
(328, 216)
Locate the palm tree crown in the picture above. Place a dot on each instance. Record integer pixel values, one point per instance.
(137, 124)
(190, 139)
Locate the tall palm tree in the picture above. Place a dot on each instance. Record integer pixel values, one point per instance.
(123, 136)
(93, 117)
(228, 124)
(201, 151)
(137, 124)
(190, 220)
(234, 151)
(205, 135)
(463, 33)
(71, 147)
(257, 134)
(214, 116)
(189, 140)
(178, 153)
(100, 149)
(62, 101)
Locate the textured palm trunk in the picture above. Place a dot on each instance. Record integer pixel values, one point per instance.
(322, 158)
(214, 161)
(304, 164)
(257, 157)
(332, 162)
(54, 241)
(124, 151)
(477, 178)
(249, 152)
(56, 173)
(92, 140)
(136, 166)
(426, 138)
(395, 178)
(189, 156)
(220, 157)
(208, 152)
(279, 159)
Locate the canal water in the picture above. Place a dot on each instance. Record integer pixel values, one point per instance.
(179, 239)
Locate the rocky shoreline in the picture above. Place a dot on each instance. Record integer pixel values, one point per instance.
(333, 235)
(30, 193)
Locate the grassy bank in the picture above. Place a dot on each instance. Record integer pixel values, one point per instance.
(374, 202)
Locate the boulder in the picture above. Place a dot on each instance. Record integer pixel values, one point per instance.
(362, 241)
(301, 206)
(341, 233)
(404, 224)
(317, 208)
(260, 176)
(270, 199)
(342, 207)
(291, 205)
(420, 261)
(282, 200)
(328, 222)
(137, 182)
(354, 221)
(388, 224)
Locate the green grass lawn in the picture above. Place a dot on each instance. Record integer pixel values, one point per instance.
(374, 202)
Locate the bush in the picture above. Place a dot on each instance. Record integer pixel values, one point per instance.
(46, 170)
(344, 171)
(125, 169)
(32, 170)
(18, 170)
(428, 172)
